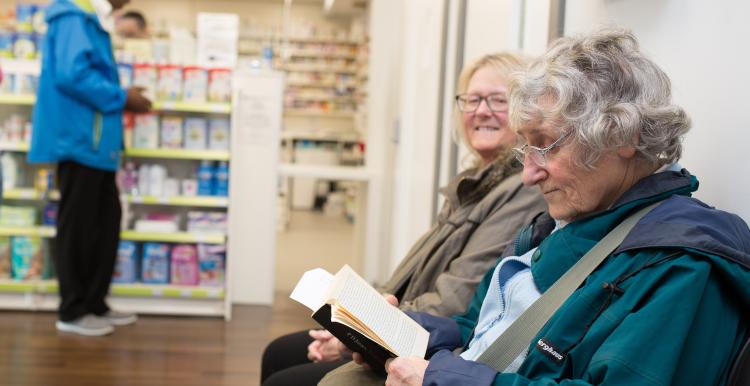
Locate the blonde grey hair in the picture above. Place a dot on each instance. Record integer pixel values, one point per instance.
(504, 64)
(606, 92)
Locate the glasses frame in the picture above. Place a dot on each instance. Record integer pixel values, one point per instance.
(538, 155)
(481, 98)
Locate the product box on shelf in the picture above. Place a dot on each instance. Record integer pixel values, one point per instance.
(17, 216)
(27, 260)
(211, 261)
(195, 133)
(126, 266)
(171, 132)
(195, 84)
(184, 268)
(206, 178)
(211, 222)
(218, 134)
(145, 75)
(146, 132)
(5, 256)
(219, 85)
(125, 71)
(155, 263)
(169, 85)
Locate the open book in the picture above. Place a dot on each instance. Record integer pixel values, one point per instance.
(359, 316)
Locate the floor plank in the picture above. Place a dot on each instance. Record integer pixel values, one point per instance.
(156, 351)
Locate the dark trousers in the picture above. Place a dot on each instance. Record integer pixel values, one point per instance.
(88, 234)
(285, 362)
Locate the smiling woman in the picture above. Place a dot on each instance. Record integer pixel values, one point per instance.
(667, 307)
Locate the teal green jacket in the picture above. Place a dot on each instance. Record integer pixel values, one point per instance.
(668, 307)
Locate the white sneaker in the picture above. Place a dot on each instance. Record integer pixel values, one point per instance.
(88, 325)
(120, 318)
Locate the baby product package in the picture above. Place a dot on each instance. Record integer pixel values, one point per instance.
(195, 133)
(184, 265)
(155, 263)
(219, 85)
(146, 133)
(145, 75)
(27, 258)
(5, 257)
(169, 85)
(211, 260)
(218, 134)
(195, 84)
(171, 132)
(126, 266)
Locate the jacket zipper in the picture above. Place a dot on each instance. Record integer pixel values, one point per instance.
(97, 130)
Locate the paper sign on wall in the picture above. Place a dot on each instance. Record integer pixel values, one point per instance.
(217, 39)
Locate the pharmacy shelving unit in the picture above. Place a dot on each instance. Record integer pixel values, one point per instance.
(142, 298)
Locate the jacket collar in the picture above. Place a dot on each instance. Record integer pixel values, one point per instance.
(475, 183)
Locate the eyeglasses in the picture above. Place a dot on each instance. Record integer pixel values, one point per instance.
(470, 103)
(537, 155)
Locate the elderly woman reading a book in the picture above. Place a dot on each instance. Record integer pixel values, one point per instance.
(667, 305)
(484, 208)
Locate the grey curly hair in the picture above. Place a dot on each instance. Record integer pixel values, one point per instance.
(503, 63)
(606, 92)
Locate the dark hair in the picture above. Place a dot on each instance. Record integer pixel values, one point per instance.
(137, 16)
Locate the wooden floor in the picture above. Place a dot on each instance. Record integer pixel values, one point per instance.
(156, 351)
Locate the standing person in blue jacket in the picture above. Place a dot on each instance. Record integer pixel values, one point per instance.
(78, 124)
(600, 137)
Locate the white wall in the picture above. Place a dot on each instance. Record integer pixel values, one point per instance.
(703, 47)
(414, 165)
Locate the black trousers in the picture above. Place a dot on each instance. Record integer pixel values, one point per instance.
(88, 234)
(285, 362)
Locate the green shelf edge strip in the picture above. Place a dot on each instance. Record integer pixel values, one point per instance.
(50, 287)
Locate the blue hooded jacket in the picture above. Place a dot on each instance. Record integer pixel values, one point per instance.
(78, 112)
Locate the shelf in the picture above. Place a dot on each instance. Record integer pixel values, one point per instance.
(166, 237)
(13, 99)
(132, 290)
(174, 237)
(335, 173)
(214, 155)
(321, 85)
(33, 231)
(190, 107)
(301, 68)
(322, 54)
(318, 113)
(196, 201)
(29, 194)
(14, 146)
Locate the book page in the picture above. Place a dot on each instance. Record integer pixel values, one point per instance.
(402, 335)
(312, 288)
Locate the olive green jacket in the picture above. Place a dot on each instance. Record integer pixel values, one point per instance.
(482, 212)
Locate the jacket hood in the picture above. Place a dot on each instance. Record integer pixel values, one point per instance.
(63, 7)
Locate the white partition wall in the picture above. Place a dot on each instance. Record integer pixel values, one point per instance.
(256, 128)
(702, 45)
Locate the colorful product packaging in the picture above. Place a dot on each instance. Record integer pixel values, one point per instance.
(27, 260)
(211, 262)
(5, 257)
(24, 45)
(6, 44)
(219, 85)
(17, 216)
(146, 132)
(126, 266)
(169, 85)
(144, 75)
(195, 133)
(218, 134)
(195, 84)
(155, 263)
(125, 71)
(171, 132)
(184, 268)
